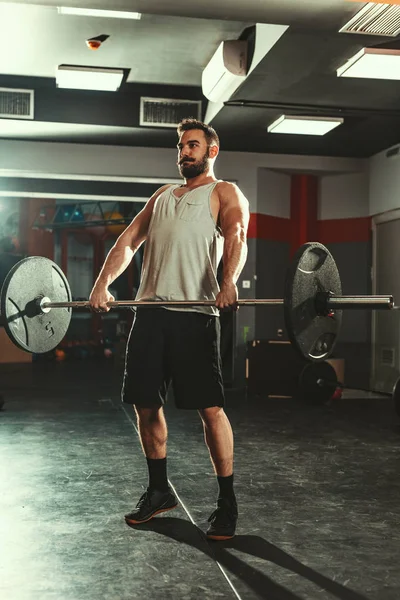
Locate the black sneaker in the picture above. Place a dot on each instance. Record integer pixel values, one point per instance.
(223, 520)
(151, 503)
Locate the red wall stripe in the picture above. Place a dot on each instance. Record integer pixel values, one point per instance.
(266, 227)
(344, 230)
(303, 225)
(303, 209)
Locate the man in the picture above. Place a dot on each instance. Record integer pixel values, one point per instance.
(188, 229)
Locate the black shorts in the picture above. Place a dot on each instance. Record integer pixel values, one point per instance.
(182, 348)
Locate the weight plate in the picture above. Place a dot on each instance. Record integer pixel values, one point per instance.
(312, 270)
(396, 396)
(317, 383)
(30, 329)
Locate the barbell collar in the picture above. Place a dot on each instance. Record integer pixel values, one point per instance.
(360, 302)
(325, 302)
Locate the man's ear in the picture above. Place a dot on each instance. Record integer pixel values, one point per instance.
(214, 151)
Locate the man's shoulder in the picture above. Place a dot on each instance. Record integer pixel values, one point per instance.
(158, 193)
(226, 189)
(223, 184)
(163, 188)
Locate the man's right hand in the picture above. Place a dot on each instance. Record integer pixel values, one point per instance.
(98, 299)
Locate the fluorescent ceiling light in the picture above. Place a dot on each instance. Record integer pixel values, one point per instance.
(92, 12)
(89, 78)
(373, 63)
(304, 125)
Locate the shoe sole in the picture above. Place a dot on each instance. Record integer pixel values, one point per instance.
(133, 522)
(220, 538)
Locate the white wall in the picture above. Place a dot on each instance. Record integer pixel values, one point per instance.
(160, 163)
(344, 196)
(273, 195)
(384, 183)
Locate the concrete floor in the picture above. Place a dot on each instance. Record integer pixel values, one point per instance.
(318, 492)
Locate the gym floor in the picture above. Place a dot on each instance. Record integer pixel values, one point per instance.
(318, 492)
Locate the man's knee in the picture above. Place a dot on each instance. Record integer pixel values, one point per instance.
(147, 416)
(212, 415)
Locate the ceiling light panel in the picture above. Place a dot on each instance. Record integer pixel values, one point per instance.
(372, 63)
(86, 78)
(89, 12)
(304, 125)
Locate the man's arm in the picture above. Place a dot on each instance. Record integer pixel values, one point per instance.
(234, 218)
(122, 253)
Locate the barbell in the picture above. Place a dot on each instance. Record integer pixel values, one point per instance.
(313, 303)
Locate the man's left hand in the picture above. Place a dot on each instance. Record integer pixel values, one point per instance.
(227, 297)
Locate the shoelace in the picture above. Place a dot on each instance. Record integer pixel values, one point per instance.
(143, 500)
(222, 513)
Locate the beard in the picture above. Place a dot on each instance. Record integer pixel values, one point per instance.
(196, 168)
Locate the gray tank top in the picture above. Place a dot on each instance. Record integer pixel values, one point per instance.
(183, 249)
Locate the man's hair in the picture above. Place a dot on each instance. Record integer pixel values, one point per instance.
(209, 132)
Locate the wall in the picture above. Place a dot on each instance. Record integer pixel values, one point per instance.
(155, 163)
(384, 183)
(344, 196)
(384, 198)
(273, 193)
(273, 247)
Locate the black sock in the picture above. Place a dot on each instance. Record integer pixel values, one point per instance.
(226, 487)
(157, 474)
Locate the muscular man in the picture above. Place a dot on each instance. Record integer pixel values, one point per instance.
(188, 229)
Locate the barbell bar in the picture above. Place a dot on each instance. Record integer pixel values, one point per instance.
(313, 303)
(332, 302)
(45, 303)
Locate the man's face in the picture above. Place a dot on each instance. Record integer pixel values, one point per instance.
(193, 154)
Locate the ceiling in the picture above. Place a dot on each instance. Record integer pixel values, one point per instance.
(164, 54)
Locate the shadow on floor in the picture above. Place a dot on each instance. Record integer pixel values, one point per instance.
(184, 532)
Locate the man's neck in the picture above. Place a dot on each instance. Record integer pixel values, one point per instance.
(202, 179)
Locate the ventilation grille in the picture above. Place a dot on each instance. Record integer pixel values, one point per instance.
(163, 112)
(393, 152)
(387, 357)
(375, 19)
(16, 104)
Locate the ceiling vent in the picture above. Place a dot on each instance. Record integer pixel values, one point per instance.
(167, 112)
(16, 104)
(392, 152)
(375, 19)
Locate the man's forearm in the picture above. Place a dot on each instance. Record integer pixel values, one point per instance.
(234, 258)
(118, 259)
